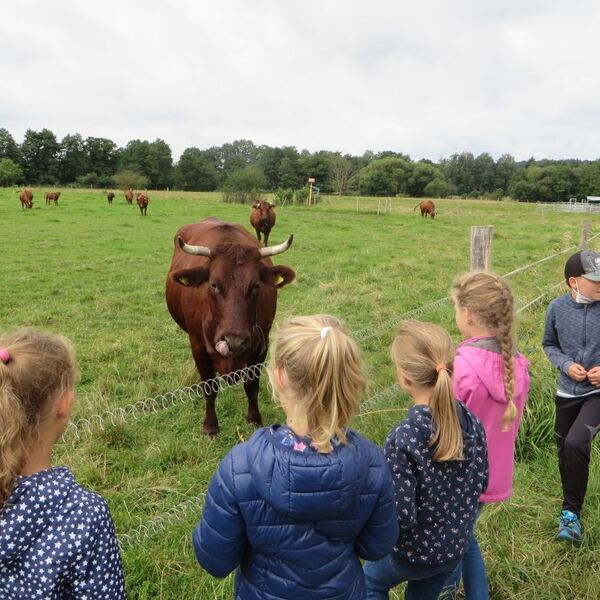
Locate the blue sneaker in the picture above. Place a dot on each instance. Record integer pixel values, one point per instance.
(569, 527)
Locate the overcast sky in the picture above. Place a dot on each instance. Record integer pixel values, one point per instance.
(426, 78)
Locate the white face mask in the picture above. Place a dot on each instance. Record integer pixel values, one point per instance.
(580, 298)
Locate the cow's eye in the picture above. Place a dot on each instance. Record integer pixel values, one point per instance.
(214, 287)
(254, 289)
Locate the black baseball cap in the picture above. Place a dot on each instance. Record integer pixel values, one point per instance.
(584, 263)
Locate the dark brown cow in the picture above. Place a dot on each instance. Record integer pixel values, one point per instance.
(222, 290)
(26, 197)
(262, 218)
(52, 197)
(110, 196)
(129, 196)
(427, 208)
(142, 201)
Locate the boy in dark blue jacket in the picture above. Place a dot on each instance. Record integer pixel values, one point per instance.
(572, 343)
(295, 507)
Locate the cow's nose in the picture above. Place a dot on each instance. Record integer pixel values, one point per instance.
(235, 342)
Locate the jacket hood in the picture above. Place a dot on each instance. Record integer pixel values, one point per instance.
(307, 486)
(488, 366)
(30, 510)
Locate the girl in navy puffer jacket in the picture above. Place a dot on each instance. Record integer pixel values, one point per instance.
(295, 507)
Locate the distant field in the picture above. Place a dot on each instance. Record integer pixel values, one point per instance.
(96, 273)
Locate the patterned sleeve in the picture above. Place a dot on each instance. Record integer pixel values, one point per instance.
(98, 569)
(403, 479)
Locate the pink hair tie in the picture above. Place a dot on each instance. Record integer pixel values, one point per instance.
(439, 368)
(4, 355)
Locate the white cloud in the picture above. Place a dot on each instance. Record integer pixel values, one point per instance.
(427, 79)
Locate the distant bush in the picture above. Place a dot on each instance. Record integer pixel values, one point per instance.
(283, 196)
(245, 186)
(95, 180)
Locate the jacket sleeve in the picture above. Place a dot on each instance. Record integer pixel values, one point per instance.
(552, 345)
(98, 571)
(220, 537)
(404, 482)
(464, 381)
(380, 532)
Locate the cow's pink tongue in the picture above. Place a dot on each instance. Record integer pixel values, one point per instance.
(222, 348)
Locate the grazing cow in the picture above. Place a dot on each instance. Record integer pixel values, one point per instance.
(427, 208)
(262, 218)
(142, 201)
(222, 290)
(129, 196)
(52, 197)
(26, 197)
(110, 196)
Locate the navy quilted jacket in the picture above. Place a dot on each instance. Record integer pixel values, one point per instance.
(295, 524)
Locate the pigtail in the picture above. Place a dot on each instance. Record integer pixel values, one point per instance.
(505, 337)
(447, 439)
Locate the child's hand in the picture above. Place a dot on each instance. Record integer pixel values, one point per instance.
(594, 376)
(578, 373)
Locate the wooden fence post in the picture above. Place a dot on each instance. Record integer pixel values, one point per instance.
(585, 234)
(481, 247)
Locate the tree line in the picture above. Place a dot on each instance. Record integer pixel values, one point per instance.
(43, 159)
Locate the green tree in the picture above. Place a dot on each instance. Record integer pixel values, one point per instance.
(151, 159)
(385, 177)
(128, 178)
(40, 156)
(505, 170)
(484, 173)
(195, 171)
(8, 146)
(438, 188)
(244, 185)
(459, 170)
(102, 155)
(316, 165)
(10, 172)
(71, 158)
(421, 175)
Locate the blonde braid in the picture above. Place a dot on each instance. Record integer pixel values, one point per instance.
(505, 336)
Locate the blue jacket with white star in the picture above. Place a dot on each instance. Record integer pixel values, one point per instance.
(57, 542)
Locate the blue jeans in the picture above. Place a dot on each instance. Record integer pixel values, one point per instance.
(472, 571)
(383, 575)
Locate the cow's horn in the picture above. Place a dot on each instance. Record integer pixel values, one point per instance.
(197, 250)
(273, 250)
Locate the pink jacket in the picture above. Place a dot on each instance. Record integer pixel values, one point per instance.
(478, 381)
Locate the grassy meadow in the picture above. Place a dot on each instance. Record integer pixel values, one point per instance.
(96, 273)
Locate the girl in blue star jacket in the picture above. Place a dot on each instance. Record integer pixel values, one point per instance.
(295, 507)
(438, 458)
(57, 539)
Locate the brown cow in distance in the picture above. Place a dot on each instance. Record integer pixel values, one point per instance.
(142, 201)
(110, 196)
(427, 208)
(129, 196)
(222, 290)
(52, 197)
(262, 218)
(26, 198)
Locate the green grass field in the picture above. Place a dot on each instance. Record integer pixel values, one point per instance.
(96, 273)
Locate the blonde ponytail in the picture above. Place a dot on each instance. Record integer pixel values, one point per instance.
(324, 369)
(424, 354)
(36, 366)
(491, 300)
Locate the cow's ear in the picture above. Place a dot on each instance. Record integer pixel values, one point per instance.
(278, 275)
(190, 277)
(256, 205)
